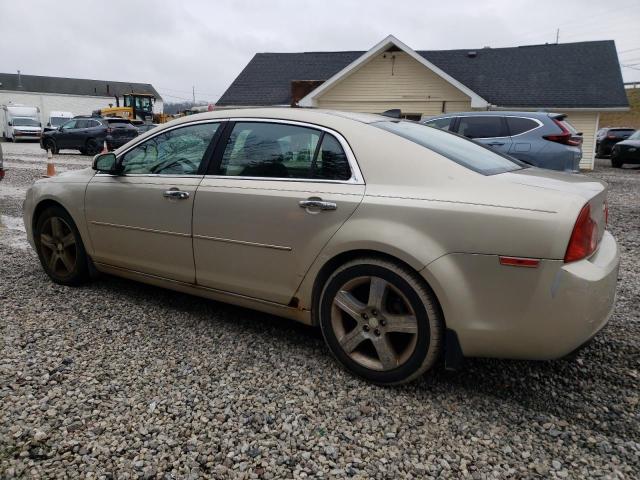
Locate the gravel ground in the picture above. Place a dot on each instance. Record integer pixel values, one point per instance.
(122, 380)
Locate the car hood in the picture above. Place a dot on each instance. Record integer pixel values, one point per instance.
(72, 176)
(631, 143)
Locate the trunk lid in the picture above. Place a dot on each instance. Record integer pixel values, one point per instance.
(589, 190)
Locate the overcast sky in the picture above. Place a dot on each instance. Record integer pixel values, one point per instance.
(175, 45)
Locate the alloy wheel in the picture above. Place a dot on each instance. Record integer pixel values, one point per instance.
(58, 246)
(374, 323)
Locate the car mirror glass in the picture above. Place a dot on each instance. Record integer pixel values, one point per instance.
(105, 162)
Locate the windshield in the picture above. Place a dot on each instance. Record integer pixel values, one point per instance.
(25, 122)
(635, 136)
(459, 149)
(57, 121)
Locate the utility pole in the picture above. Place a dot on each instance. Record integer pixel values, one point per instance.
(194, 92)
(557, 35)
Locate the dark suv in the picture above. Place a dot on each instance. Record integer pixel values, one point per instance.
(88, 134)
(606, 138)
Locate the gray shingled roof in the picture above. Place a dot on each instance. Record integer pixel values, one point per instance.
(566, 75)
(73, 86)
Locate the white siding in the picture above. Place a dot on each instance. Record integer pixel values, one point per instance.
(587, 123)
(393, 80)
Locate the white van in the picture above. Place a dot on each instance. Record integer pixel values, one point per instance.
(56, 119)
(19, 122)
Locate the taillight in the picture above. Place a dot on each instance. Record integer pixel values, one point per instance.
(565, 137)
(606, 213)
(584, 238)
(109, 130)
(612, 137)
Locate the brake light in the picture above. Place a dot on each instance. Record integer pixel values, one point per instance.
(606, 213)
(584, 238)
(566, 138)
(611, 137)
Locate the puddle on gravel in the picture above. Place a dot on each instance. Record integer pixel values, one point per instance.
(13, 233)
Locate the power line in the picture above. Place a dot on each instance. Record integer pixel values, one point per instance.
(631, 67)
(629, 50)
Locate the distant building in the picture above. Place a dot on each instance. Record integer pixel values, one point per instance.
(77, 95)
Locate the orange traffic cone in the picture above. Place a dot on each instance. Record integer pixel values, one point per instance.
(104, 147)
(51, 168)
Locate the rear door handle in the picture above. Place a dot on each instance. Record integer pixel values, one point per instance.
(317, 203)
(177, 194)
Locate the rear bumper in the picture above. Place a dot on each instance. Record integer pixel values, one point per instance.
(527, 313)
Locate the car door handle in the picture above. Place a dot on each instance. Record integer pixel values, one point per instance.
(177, 194)
(317, 204)
(495, 144)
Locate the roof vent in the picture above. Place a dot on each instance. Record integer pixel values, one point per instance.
(472, 54)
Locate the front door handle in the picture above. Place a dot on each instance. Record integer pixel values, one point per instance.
(177, 194)
(317, 204)
(495, 144)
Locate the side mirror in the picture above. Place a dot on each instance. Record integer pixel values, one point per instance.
(106, 163)
(48, 124)
(10, 124)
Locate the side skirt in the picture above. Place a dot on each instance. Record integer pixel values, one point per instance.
(302, 316)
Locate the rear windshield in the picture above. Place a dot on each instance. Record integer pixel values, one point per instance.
(25, 122)
(635, 136)
(459, 149)
(119, 122)
(621, 131)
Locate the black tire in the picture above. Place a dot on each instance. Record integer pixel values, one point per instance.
(616, 162)
(92, 147)
(73, 270)
(52, 146)
(83, 151)
(423, 348)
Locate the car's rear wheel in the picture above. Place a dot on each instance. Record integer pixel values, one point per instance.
(92, 147)
(60, 247)
(52, 146)
(381, 321)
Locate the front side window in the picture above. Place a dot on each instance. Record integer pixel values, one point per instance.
(518, 125)
(482, 127)
(441, 123)
(176, 152)
(274, 150)
(69, 125)
(465, 152)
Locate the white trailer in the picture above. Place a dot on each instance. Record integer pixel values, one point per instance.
(20, 122)
(57, 118)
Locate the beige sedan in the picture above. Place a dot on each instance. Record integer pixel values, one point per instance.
(402, 242)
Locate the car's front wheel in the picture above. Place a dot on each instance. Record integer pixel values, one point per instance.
(616, 162)
(381, 321)
(60, 247)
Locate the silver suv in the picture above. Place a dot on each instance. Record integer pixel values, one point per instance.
(546, 140)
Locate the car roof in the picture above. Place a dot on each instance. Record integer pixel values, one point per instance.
(492, 113)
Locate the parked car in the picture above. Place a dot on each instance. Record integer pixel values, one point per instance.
(88, 134)
(546, 140)
(56, 119)
(145, 127)
(626, 151)
(20, 122)
(401, 241)
(606, 138)
(1, 164)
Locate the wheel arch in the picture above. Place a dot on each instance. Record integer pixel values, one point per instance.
(331, 264)
(47, 202)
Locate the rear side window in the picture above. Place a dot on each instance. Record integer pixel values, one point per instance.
(482, 127)
(465, 152)
(441, 123)
(274, 150)
(518, 125)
